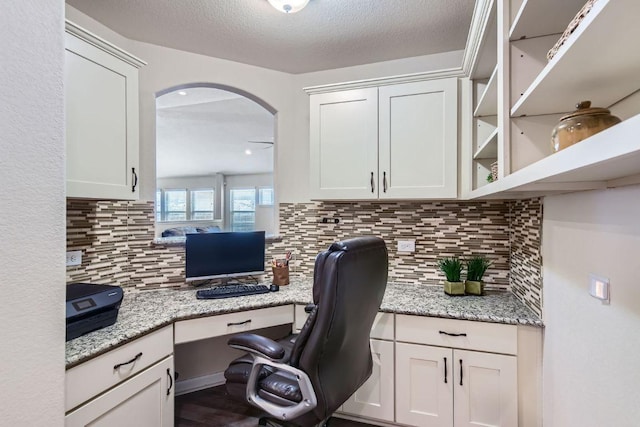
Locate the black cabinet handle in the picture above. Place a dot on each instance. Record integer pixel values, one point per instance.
(170, 381)
(452, 335)
(460, 371)
(135, 180)
(239, 323)
(445, 370)
(384, 181)
(372, 183)
(137, 356)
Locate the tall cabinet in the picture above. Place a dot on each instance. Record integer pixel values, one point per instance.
(101, 102)
(395, 141)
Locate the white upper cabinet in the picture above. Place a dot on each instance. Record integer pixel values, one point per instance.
(418, 141)
(344, 144)
(101, 101)
(391, 142)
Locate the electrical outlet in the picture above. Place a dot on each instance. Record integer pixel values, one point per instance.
(406, 246)
(74, 258)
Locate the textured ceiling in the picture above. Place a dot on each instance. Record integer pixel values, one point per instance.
(208, 130)
(326, 34)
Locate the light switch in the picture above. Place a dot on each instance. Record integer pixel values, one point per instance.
(599, 287)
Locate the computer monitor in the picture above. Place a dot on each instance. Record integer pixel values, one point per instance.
(224, 255)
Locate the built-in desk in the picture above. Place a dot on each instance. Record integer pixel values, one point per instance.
(151, 322)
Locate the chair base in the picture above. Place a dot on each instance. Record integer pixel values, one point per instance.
(271, 422)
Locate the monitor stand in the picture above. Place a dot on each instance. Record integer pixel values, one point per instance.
(229, 282)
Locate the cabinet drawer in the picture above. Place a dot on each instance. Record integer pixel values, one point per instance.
(382, 325)
(145, 400)
(224, 324)
(97, 375)
(491, 337)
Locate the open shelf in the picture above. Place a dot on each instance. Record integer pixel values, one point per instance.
(533, 18)
(602, 49)
(489, 148)
(488, 103)
(488, 50)
(595, 163)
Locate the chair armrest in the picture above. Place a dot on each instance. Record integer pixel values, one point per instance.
(257, 345)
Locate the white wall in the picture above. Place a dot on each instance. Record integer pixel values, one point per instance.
(591, 374)
(32, 213)
(265, 215)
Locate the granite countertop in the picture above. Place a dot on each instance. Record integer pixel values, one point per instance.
(145, 311)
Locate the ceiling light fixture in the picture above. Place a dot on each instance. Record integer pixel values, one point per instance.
(183, 93)
(289, 6)
(247, 152)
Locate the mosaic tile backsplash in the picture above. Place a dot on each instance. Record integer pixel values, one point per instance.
(526, 253)
(116, 238)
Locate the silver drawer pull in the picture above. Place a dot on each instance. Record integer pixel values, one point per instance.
(239, 323)
(452, 335)
(137, 356)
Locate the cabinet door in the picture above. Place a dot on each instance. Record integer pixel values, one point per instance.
(419, 140)
(344, 144)
(486, 389)
(375, 398)
(101, 101)
(424, 385)
(145, 400)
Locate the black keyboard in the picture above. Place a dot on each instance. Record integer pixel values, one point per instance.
(230, 291)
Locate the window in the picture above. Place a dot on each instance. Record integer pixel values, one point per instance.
(185, 205)
(265, 196)
(175, 205)
(243, 209)
(201, 204)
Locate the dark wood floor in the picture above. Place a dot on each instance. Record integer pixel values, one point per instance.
(214, 408)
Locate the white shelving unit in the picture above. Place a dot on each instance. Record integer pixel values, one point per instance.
(488, 103)
(489, 148)
(602, 49)
(537, 18)
(598, 62)
(607, 159)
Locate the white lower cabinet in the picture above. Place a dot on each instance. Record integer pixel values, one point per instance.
(424, 385)
(376, 396)
(145, 400)
(439, 386)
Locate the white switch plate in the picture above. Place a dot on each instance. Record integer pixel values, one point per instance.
(406, 246)
(599, 288)
(74, 258)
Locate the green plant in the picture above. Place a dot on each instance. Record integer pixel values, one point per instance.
(490, 177)
(451, 267)
(476, 267)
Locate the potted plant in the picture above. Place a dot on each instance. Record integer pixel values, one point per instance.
(476, 267)
(452, 269)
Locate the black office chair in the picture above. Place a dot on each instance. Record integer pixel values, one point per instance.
(301, 380)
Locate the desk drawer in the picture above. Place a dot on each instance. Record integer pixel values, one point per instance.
(91, 378)
(382, 325)
(483, 336)
(224, 324)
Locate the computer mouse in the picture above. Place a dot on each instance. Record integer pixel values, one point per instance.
(274, 288)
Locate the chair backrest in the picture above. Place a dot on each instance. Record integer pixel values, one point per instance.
(333, 346)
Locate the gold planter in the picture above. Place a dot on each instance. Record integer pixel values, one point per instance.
(472, 287)
(453, 288)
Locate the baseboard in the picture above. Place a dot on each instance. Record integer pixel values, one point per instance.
(364, 420)
(199, 383)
